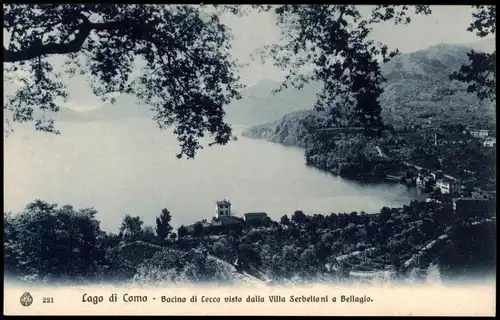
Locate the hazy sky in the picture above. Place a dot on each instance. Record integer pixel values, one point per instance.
(447, 24)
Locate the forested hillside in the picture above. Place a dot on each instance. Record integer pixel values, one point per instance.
(419, 102)
(417, 92)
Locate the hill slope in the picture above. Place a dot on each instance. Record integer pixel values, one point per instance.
(259, 105)
(418, 89)
(417, 92)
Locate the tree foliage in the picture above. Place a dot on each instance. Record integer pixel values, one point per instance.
(163, 227)
(333, 42)
(299, 217)
(182, 231)
(198, 229)
(48, 242)
(53, 243)
(481, 72)
(285, 220)
(148, 234)
(187, 73)
(131, 227)
(248, 256)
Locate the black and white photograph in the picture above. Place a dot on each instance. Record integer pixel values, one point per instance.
(262, 145)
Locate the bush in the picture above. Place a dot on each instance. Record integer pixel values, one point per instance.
(53, 243)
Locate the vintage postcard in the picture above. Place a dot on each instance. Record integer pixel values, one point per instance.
(249, 159)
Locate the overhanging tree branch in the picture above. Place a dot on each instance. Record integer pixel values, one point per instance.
(188, 93)
(81, 34)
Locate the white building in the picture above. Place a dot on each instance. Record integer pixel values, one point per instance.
(223, 209)
(419, 181)
(483, 133)
(479, 133)
(446, 186)
(490, 143)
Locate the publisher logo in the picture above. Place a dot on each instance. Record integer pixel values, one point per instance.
(26, 299)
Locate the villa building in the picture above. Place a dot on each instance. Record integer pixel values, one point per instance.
(223, 217)
(446, 186)
(255, 216)
(424, 181)
(204, 224)
(223, 209)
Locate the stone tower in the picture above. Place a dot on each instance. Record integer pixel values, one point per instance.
(223, 209)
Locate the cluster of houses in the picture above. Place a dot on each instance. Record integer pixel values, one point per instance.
(489, 142)
(438, 181)
(224, 218)
(479, 133)
(478, 204)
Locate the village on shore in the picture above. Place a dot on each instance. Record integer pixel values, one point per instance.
(439, 187)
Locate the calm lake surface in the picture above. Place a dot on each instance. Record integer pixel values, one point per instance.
(130, 167)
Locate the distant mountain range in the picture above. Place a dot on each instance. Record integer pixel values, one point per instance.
(259, 105)
(417, 87)
(418, 91)
(417, 83)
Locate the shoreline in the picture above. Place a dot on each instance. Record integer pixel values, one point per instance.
(363, 178)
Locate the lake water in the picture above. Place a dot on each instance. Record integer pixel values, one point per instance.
(130, 168)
